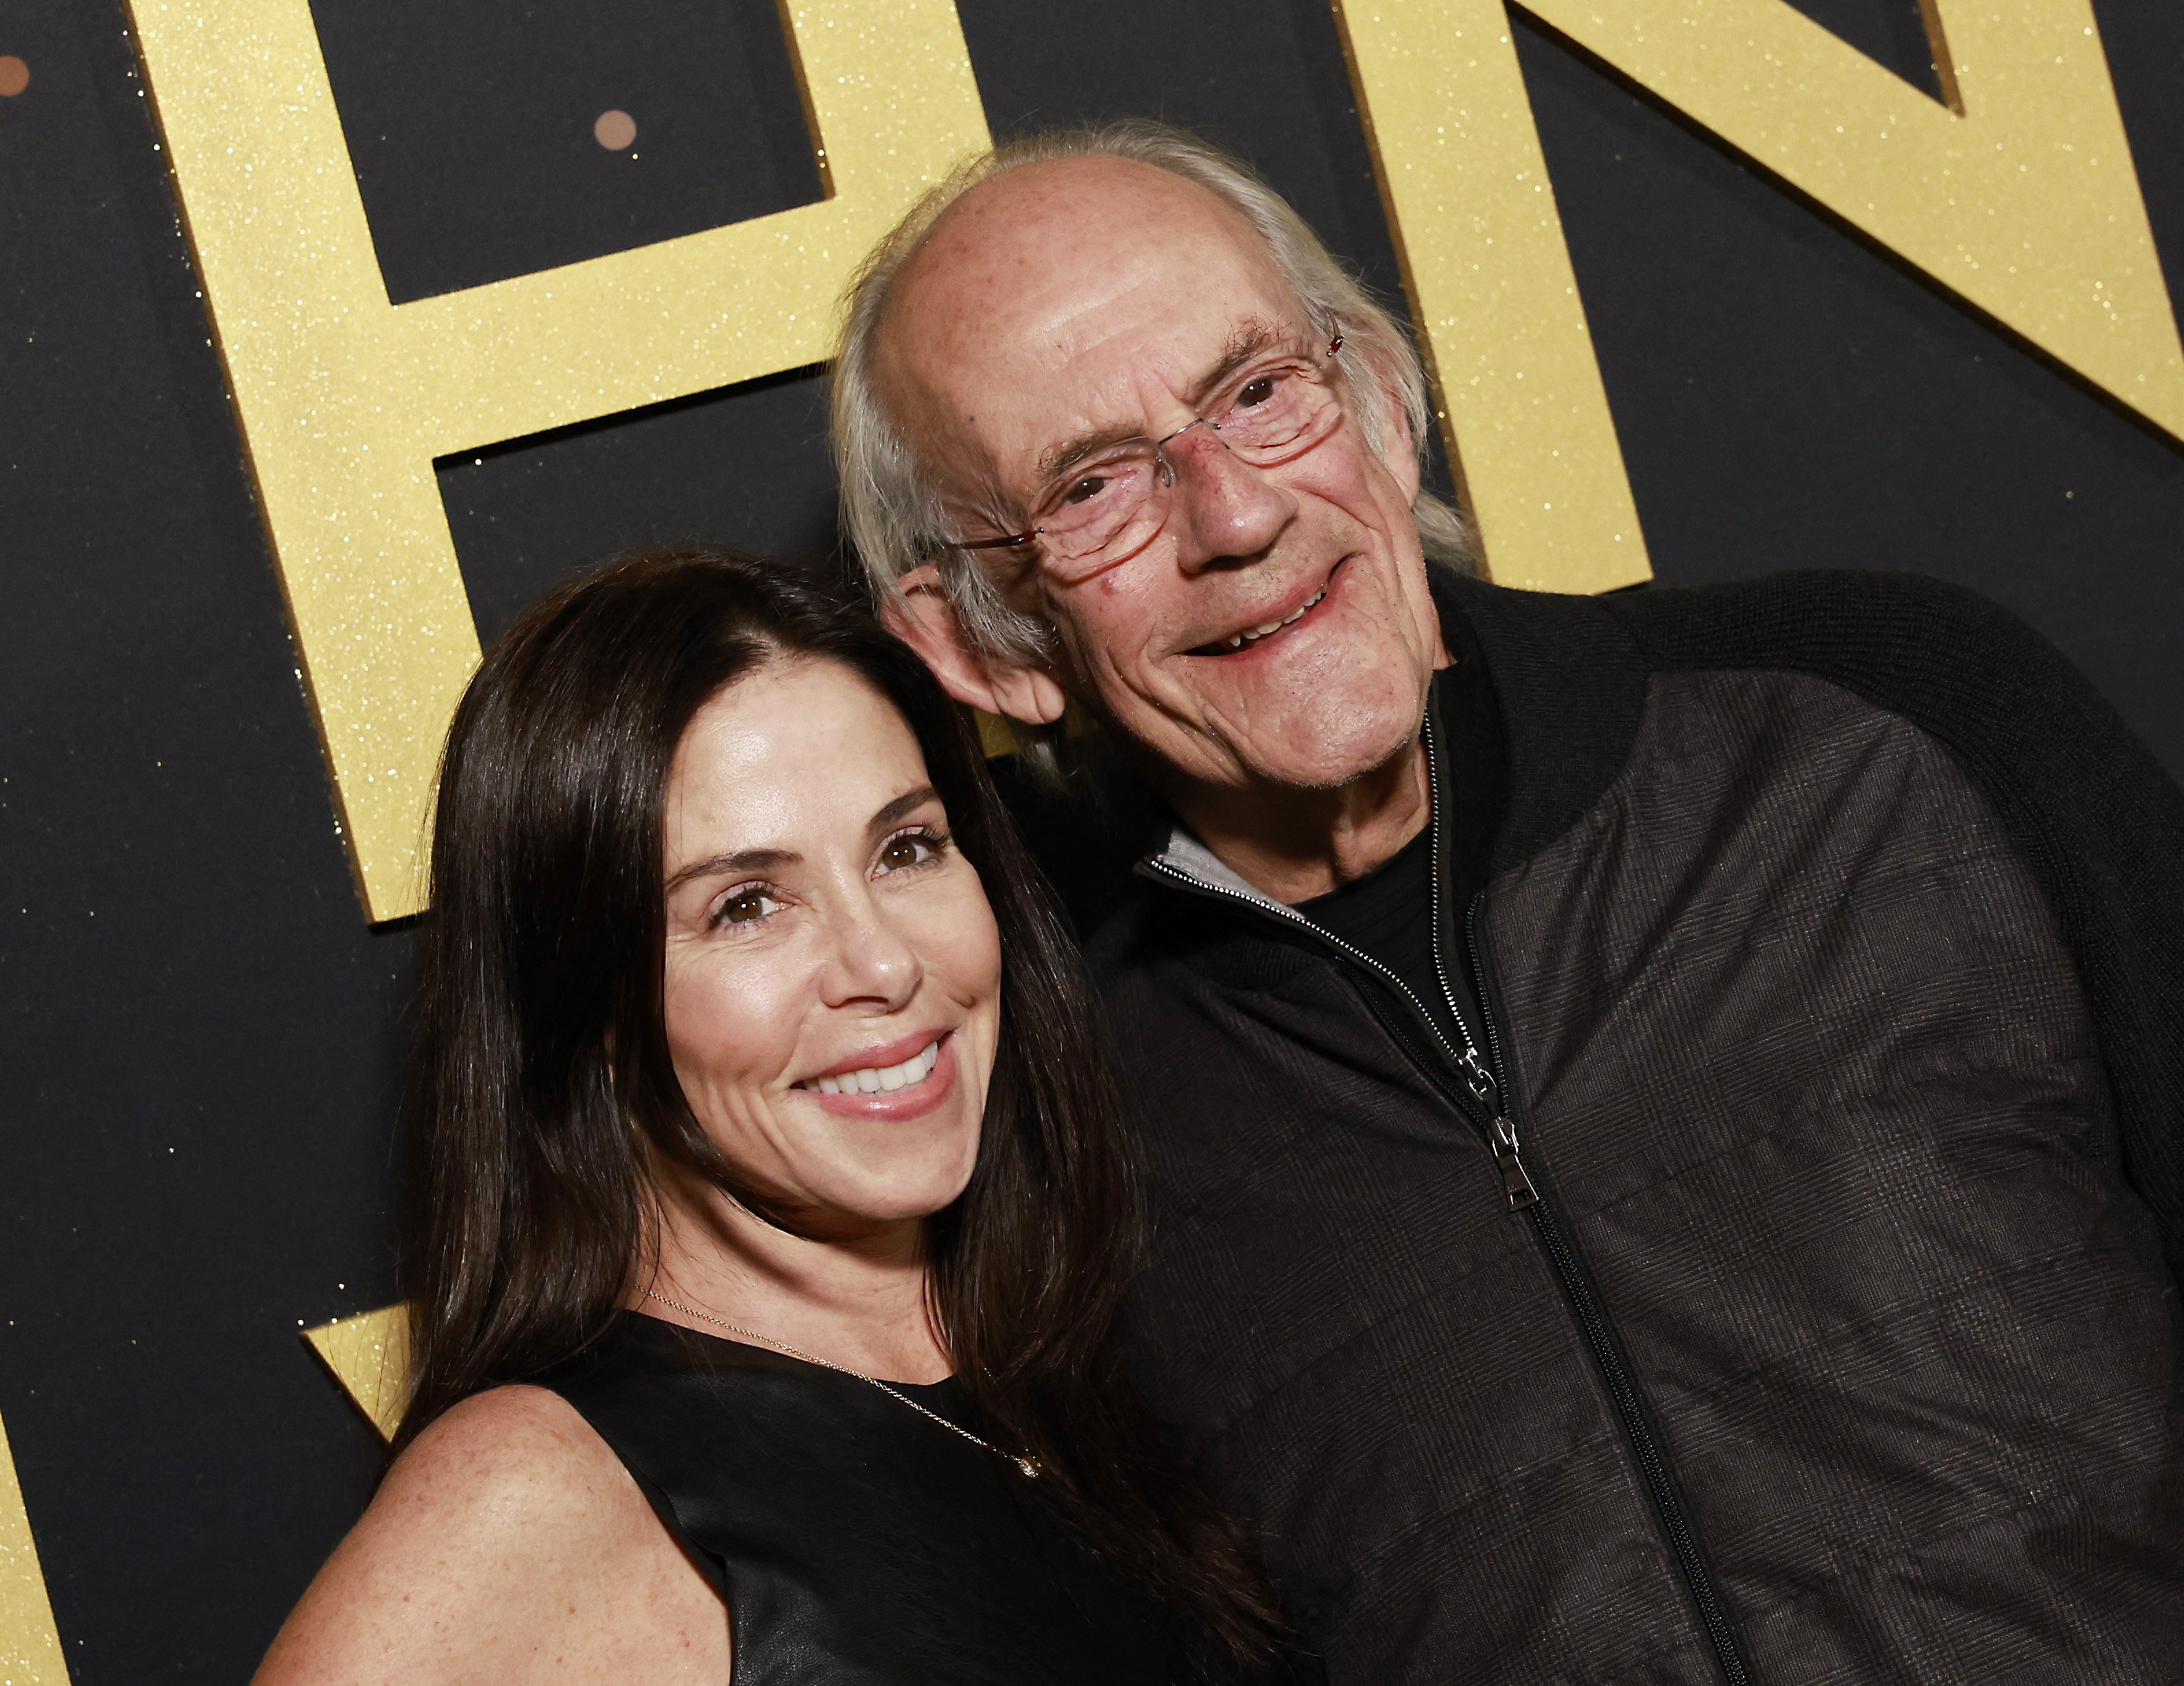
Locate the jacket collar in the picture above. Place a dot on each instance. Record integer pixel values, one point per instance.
(1570, 682)
(1183, 853)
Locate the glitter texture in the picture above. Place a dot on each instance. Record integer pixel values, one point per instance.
(2018, 194)
(1523, 411)
(2022, 200)
(29, 1645)
(370, 1356)
(345, 400)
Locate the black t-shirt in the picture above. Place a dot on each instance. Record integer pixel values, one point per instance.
(1389, 912)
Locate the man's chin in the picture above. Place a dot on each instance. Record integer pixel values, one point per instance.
(1330, 735)
(1281, 767)
(1311, 754)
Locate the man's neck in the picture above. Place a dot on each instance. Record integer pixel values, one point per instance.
(1295, 844)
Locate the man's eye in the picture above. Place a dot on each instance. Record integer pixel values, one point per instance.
(744, 907)
(1084, 491)
(1256, 392)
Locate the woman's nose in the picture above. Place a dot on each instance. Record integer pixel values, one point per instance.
(872, 959)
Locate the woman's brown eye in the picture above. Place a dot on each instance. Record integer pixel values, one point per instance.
(741, 909)
(901, 852)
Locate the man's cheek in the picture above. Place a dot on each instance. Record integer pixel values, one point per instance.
(1338, 476)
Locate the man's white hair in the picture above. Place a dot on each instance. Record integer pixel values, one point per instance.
(891, 507)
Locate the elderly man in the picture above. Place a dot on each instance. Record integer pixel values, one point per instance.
(1663, 1114)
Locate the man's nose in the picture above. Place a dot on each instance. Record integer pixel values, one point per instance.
(1224, 509)
(873, 961)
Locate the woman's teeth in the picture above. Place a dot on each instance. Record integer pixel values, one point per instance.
(1257, 633)
(874, 1079)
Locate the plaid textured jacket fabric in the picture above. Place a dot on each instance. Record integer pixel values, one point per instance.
(1787, 1300)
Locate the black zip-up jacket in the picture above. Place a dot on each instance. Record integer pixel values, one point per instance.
(1775, 1289)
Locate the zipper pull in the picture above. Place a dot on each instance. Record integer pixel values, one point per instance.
(1516, 1181)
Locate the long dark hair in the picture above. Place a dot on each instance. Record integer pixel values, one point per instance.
(543, 1087)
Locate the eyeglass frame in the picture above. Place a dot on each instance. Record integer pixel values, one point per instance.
(1019, 541)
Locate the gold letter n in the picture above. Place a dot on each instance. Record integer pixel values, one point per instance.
(2018, 195)
(345, 398)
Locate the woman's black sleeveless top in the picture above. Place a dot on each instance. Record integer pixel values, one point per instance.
(854, 1541)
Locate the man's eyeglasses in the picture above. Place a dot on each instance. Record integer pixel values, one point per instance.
(1105, 509)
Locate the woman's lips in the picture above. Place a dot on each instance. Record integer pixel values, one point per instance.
(908, 1089)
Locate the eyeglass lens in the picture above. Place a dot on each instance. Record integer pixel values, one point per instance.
(1108, 508)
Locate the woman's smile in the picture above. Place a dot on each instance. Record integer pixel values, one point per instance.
(875, 1084)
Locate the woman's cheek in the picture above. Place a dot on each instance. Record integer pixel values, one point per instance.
(733, 1024)
(978, 940)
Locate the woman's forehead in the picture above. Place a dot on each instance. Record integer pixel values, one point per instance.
(799, 745)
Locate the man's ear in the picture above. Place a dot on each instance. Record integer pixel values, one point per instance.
(1401, 455)
(919, 614)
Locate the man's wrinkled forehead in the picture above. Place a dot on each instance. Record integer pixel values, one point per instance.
(1045, 298)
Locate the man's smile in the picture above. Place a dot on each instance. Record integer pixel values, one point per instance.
(1283, 616)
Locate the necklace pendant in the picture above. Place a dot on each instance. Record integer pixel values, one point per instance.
(1028, 1466)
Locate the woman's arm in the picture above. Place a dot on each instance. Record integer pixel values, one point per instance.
(507, 1544)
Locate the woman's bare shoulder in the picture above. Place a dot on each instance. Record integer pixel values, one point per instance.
(511, 1460)
(507, 1541)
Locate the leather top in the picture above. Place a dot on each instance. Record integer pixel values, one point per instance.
(854, 1540)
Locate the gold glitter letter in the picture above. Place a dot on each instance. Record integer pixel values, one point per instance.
(345, 398)
(1518, 389)
(30, 1647)
(2018, 194)
(370, 1356)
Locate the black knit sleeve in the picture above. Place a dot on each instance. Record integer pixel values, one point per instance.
(2099, 822)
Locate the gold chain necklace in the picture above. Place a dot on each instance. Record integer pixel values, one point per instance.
(1028, 1466)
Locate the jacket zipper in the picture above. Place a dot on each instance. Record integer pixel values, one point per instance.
(1593, 1323)
(1484, 1079)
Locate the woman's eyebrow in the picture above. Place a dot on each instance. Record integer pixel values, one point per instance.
(752, 860)
(904, 805)
(759, 861)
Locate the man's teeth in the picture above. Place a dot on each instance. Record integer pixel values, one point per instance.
(1240, 639)
(875, 1079)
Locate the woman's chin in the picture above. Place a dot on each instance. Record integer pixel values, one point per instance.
(847, 1215)
(905, 1183)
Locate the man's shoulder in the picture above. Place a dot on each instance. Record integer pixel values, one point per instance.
(1953, 661)
(1959, 665)
(1574, 674)
(1845, 622)
(1852, 624)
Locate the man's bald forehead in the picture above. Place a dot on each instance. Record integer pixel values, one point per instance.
(1030, 230)
(998, 233)
(1079, 198)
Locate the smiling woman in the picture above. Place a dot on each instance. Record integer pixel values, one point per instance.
(770, 1213)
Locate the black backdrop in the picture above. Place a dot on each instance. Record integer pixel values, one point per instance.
(198, 1032)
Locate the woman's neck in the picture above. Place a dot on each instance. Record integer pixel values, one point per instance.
(857, 1299)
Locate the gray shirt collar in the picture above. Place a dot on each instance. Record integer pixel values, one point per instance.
(1185, 854)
